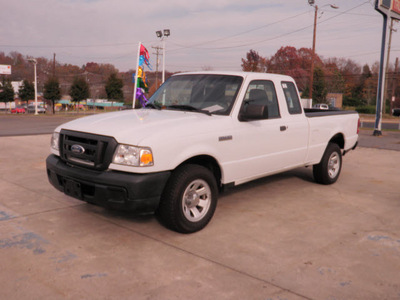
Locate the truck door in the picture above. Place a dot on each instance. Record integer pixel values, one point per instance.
(264, 146)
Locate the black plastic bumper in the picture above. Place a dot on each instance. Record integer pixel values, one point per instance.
(111, 189)
(354, 147)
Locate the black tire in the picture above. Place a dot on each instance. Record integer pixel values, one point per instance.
(328, 170)
(189, 199)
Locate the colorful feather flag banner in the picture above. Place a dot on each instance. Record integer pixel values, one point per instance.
(140, 83)
(144, 57)
(144, 61)
(141, 61)
(142, 98)
(144, 52)
(140, 72)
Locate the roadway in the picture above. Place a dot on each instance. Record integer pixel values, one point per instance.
(29, 124)
(385, 125)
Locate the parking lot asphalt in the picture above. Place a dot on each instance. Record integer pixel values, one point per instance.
(281, 237)
(29, 124)
(389, 140)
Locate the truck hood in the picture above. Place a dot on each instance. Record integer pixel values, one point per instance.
(135, 126)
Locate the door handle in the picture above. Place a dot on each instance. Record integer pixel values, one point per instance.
(283, 128)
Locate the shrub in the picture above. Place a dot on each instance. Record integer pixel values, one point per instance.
(367, 109)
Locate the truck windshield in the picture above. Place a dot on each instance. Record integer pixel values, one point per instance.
(213, 94)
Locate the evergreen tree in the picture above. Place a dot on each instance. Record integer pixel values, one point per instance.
(26, 91)
(79, 90)
(338, 82)
(357, 95)
(52, 91)
(319, 87)
(6, 91)
(114, 87)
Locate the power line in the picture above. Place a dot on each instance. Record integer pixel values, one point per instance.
(240, 33)
(265, 40)
(74, 46)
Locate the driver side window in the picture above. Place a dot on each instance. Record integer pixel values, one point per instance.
(262, 92)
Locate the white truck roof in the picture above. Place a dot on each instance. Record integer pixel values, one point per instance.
(249, 75)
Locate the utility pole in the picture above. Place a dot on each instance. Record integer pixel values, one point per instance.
(312, 3)
(387, 63)
(54, 65)
(394, 84)
(313, 53)
(157, 62)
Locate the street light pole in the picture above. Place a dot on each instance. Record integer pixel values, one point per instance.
(34, 61)
(163, 61)
(163, 34)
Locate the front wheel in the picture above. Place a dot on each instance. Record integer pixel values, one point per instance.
(189, 199)
(328, 170)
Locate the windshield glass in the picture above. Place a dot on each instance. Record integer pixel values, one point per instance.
(199, 92)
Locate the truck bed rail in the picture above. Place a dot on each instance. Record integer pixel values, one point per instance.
(312, 112)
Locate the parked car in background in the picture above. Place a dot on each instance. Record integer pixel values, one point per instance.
(321, 106)
(396, 112)
(18, 110)
(40, 109)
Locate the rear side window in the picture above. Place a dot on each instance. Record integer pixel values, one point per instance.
(292, 98)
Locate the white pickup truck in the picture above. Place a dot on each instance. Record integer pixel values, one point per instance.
(199, 133)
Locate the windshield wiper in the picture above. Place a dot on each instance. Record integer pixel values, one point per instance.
(190, 108)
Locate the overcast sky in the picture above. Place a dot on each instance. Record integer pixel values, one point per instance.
(207, 34)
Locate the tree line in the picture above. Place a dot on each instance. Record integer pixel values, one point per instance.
(357, 83)
(79, 90)
(55, 79)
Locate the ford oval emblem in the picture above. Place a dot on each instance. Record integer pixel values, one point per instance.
(77, 149)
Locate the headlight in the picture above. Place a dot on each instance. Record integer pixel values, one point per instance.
(55, 141)
(133, 156)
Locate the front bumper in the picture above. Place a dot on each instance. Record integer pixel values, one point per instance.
(111, 189)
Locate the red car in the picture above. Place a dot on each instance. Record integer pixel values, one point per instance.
(18, 110)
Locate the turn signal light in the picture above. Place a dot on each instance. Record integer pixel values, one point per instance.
(146, 158)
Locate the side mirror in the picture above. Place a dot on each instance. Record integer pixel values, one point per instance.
(254, 112)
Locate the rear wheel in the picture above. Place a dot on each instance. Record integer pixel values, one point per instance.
(328, 170)
(189, 199)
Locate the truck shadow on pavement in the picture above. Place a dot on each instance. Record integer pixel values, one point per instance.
(116, 215)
